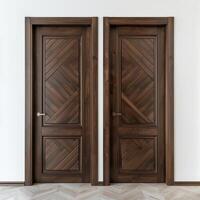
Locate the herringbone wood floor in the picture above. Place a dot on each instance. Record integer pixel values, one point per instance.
(85, 191)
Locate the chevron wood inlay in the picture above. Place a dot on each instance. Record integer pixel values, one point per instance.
(62, 154)
(62, 81)
(138, 88)
(137, 154)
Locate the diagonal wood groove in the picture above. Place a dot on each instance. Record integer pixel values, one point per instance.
(146, 51)
(137, 83)
(62, 154)
(68, 161)
(59, 60)
(51, 51)
(130, 51)
(62, 81)
(64, 106)
(131, 105)
(142, 57)
(142, 54)
(58, 54)
(49, 43)
(137, 154)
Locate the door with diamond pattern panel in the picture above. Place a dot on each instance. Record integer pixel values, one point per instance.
(62, 103)
(137, 99)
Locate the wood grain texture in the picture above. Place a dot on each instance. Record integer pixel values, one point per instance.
(57, 49)
(138, 92)
(138, 154)
(147, 21)
(106, 108)
(139, 97)
(69, 21)
(61, 81)
(62, 154)
(94, 102)
(141, 57)
(169, 105)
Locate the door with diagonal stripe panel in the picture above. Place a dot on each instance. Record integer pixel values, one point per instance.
(137, 99)
(62, 98)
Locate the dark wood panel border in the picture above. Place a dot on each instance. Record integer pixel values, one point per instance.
(30, 22)
(168, 23)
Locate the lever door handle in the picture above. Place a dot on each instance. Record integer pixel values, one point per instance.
(116, 114)
(40, 114)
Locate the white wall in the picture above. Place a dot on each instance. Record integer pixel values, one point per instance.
(187, 74)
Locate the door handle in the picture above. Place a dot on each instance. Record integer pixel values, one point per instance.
(40, 114)
(116, 114)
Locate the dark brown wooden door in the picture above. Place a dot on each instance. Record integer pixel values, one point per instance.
(62, 103)
(137, 99)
